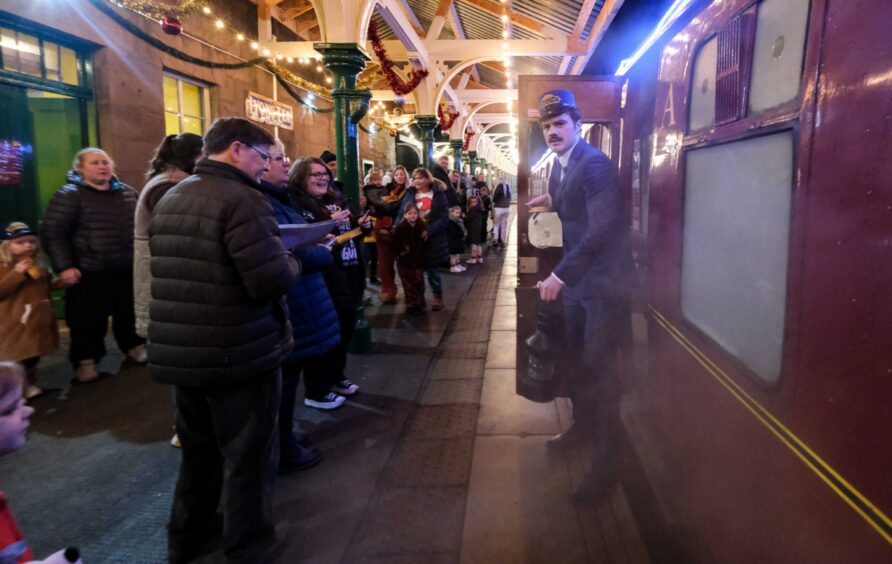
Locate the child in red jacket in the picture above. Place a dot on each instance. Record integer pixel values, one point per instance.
(14, 416)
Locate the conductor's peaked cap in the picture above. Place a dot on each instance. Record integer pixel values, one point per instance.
(555, 102)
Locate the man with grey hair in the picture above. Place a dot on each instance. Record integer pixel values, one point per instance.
(218, 332)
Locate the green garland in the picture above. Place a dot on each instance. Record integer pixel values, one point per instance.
(160, 45)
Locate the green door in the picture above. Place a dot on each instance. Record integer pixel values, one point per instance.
(18, 189)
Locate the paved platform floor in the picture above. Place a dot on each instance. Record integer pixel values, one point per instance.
(437, 459)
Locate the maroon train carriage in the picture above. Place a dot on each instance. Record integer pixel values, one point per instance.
(754, 143)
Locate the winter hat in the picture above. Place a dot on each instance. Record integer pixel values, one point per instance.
(14, 230)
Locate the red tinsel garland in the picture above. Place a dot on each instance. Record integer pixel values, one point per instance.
(445, 124)
(396, 83)
(468, 135)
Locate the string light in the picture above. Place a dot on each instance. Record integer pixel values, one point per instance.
(240, 36)
(219, 24)
(206, 10)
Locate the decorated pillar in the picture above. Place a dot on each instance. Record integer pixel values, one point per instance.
(456, 145)
(472, 162)
(345, 61)
(427, 125)
(481, 164)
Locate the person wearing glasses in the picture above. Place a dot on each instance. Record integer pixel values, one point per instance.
(314, 321)
(218, 332)
(309, 183)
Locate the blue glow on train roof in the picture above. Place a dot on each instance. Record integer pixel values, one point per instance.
(670, 17)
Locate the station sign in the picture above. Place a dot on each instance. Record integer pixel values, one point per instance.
(265, 110)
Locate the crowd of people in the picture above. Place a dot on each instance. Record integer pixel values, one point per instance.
(193, 273)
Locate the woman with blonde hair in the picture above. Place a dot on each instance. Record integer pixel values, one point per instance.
(87, 232)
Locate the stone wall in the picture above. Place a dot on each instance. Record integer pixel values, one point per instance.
(128, 76)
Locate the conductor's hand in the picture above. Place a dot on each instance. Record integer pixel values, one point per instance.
(549, 289)
(540, 200)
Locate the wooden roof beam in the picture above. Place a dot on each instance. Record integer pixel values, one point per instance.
(520, 20)
(605, 17)
(439, 20)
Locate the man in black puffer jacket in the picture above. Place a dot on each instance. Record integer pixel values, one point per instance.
(218, 332)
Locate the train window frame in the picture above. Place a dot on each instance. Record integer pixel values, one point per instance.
(746, 117)
(802, 45)
(726, 352)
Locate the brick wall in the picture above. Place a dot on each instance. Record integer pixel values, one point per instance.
(128, 83)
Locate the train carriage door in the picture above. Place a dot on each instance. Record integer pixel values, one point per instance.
(539, 231)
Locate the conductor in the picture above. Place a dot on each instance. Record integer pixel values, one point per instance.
(592, 277)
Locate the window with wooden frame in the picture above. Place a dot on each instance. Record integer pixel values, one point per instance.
(753, 64)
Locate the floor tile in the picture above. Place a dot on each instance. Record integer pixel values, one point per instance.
(502, 350)
(503, 412)
(519, 510)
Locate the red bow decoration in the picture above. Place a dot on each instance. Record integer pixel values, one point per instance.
(393, 80)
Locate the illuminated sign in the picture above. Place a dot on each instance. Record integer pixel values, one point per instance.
(264, 110)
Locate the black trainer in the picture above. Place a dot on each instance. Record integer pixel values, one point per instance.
(294, 458)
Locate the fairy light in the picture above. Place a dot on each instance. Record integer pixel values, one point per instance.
(240, 36)
(219, 24)
(266, 52)
(255, 45)
(206, 10)
(318, 68)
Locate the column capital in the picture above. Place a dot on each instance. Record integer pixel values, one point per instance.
(427, 123)
(456, 144)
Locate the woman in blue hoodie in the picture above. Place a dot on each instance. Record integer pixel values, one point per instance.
(314, 319)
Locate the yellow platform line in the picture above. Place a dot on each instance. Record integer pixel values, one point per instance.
(842, 487)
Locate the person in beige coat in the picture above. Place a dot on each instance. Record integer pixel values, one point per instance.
(172, 162)
(28, 328)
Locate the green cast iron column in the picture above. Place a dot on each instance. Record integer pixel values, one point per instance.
(427, 124)
(472, 162)
(345, 61)
(481, 163)
(456, 145)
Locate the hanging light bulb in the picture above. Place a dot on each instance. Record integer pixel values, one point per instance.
(266, 52)
(206, 10)
(504, 18)
(289, 60)
(318, 68)
(240, 36)
(254, 45)
(219, 24)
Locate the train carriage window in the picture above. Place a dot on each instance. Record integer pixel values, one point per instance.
(735, 243)
(702, 112)
(777, 56)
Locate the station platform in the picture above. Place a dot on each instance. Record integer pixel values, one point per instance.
(436, 460)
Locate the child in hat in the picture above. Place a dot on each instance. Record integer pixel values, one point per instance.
(28, 327)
